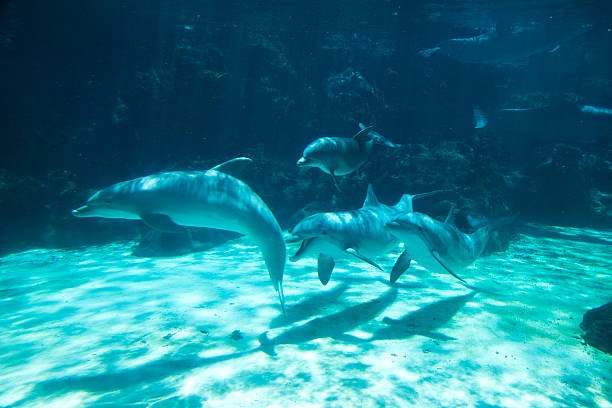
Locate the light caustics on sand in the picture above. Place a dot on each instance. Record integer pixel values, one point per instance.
(98, 326)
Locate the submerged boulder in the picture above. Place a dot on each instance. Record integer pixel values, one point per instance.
(161, 244)
(597, 324)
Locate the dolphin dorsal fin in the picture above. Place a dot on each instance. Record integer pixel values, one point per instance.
(233, 167)
(364, 134)
(371, 200)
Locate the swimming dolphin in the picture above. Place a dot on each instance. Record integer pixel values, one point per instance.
(213, 199)
(357, 234)
(438, 246)
(338, 156)
(507, 45)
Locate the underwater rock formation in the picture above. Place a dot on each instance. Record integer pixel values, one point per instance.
(597, 324)
(159, 244)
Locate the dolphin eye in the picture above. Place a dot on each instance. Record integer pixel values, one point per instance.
(107, 201)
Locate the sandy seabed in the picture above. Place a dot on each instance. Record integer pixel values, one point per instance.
(98, 327)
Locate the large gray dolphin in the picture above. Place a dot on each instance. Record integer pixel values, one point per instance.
(338, 156)
(350, 234)
(438, 246)
(212, 199)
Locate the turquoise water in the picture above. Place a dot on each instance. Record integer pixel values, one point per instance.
(97, 327)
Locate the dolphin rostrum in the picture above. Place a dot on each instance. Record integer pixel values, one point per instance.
(338, 156)
(213, 199)
(438, 246)
(350, 234)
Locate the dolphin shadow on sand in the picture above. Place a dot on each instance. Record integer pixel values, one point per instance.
(424, 321)
(334, 325)
(117, 380)
(310, 306)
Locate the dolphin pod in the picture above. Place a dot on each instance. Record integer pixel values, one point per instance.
(174, 201)
(357, 234)
(213, 199)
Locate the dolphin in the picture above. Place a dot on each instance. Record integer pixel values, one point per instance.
(338, 156)
(357, 234)
(438, 246)
(171, 201)
(507, 45)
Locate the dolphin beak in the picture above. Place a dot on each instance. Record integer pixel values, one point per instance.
(301, 162)
(79, 211)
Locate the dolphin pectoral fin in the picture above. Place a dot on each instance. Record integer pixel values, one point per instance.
(353, 251)
(402, 263)
(325, 267)
(300, 252)
(436, 255)
(333, 176)
(233, 167)
(161, 222)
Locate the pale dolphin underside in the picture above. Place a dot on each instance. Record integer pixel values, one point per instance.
(212, 199)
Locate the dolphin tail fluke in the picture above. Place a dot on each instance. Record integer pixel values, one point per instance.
(380, 139)
(266, 345)
(482, 234)
(374, 137)
(491, 225)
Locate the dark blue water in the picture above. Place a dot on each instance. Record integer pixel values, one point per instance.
(506, 106)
